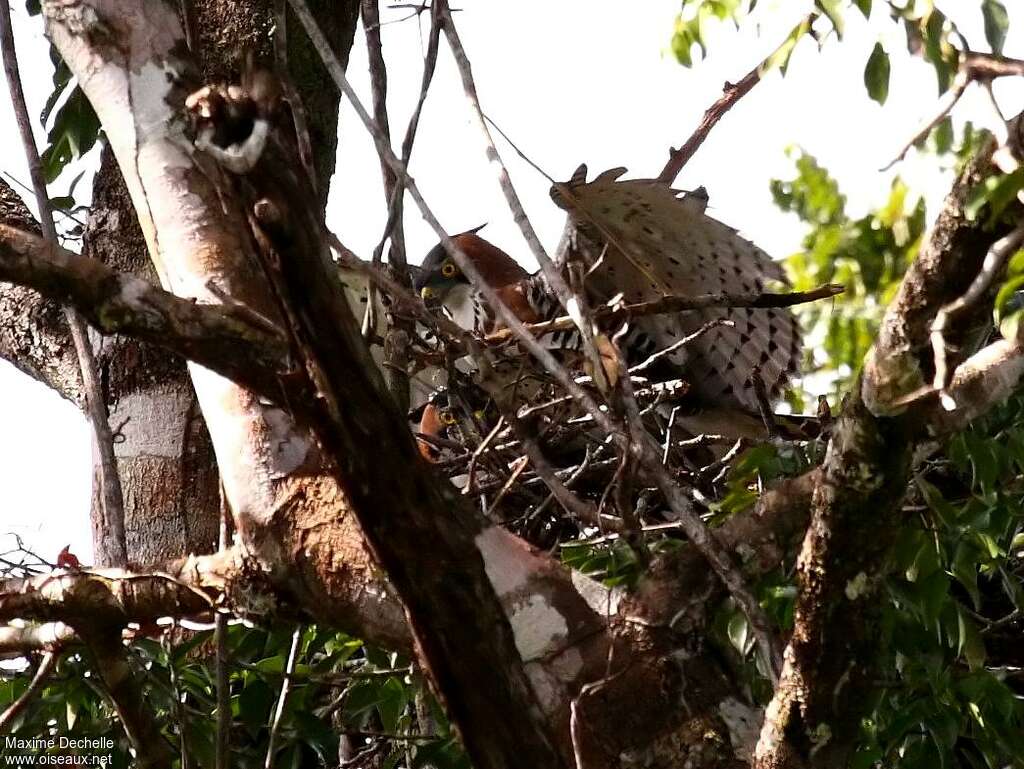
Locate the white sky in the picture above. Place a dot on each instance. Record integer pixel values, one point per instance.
(570, 81)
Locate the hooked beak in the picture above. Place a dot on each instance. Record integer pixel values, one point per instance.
(427, 293)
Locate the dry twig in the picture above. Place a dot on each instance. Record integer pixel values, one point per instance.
(731, 93)
(46, 666)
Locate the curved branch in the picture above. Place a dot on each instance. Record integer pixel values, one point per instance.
(227, 338)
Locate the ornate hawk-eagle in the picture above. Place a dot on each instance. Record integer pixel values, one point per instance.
(642, 240)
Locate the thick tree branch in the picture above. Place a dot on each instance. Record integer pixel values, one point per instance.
(899, 366)
(984, 380)
(33, 331)
(225, 338)
(17, 641)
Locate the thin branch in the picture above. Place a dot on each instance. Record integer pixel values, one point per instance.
(291, 93)
(731, 93)
(429, 66)
(988, 66)
(673, 304)
(945, 106)
(688, 339)
(991, 268)
(180, 714)
(512, 198)
(286, 685)
(111, 496)
(974, 68)
(222, 656)
(188, 24)
(515, 148)
(46, 666)
(379, 94)
(399, 331)
(570, 301)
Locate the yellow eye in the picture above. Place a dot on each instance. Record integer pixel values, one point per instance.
(448, 269)
(447, 418)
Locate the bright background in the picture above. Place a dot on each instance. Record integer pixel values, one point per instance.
(569, 81)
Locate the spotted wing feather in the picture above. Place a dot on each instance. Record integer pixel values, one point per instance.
(648, 241)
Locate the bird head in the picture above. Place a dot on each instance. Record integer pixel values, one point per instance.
(439, 273)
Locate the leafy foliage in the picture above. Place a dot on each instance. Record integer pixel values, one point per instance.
(338, 683)
(929, 33)
(868, 255)
(951, 627)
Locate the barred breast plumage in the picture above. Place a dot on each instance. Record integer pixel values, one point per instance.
(644, 240)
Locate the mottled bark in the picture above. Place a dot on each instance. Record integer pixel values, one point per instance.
(166, 460)
(34, 336)
(164, 456)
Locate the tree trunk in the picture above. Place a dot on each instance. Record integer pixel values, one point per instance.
(166, 461)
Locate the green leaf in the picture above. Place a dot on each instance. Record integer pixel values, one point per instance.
(393, 699)
(997, 23)
(934, 591)
(271, 665)
(781, 56)
(75, 130)
(971, 645)
(965, 569)
(63, 203)
(876, 74)
(945, 512)
(864, 6)
(997, 192)
(833, 10)
(687, 34)
(253, 705)
(942, 136)
(938, 50)
(739, 633)
(61, 78)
